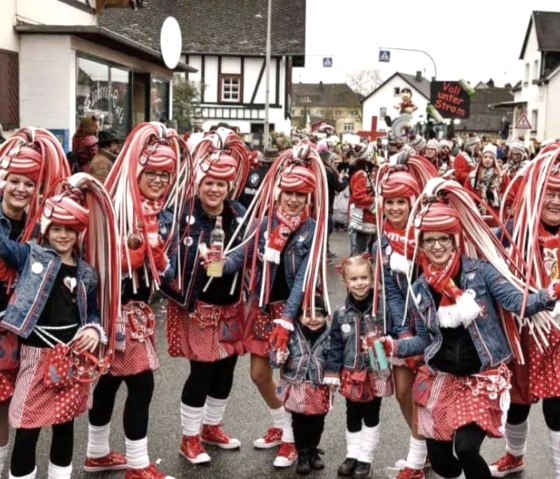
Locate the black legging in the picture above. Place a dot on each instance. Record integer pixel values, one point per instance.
(519, 413)
(137, 406)
(468, 440)
(307, 430)
(25, 445)
(356, 412)
(213, 379)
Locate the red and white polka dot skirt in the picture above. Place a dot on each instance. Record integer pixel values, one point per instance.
(304, 398)
(36, 405)
(365, 385)
(259, 326)
(446, 402)
(207, 334)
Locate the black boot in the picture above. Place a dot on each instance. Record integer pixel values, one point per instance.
(303, 467)
(346, 469)
(315, 460)
(362, 471)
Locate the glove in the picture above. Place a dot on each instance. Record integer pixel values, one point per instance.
(279, 339)
(389, 346)
(160, 258)
(368, 340)
(332, 380)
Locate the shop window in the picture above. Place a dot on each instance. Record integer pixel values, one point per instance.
(159, 100)
(230, 88)
(104, 91)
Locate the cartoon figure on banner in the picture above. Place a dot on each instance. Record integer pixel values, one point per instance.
(406, 106)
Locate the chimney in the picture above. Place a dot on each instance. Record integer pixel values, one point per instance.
(320, 85)
(419, 75)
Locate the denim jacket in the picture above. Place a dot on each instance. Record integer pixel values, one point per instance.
(38, 267)
(486, 331)
(348, 328)
(193, 275)
(296, 257)
(304, 363)
(165, 223)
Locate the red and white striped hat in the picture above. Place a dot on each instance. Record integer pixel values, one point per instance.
(398, 184)
(297, 178)
(438, 216)
(23, 159)
(158, 156)
(63, 209)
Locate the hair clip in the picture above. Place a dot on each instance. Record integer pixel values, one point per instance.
(339, 268)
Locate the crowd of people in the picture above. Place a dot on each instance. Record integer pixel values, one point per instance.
(452, 285)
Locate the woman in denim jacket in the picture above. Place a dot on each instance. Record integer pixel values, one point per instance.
(30, 158)
(283, 262)
(205, 316)
(462, 393)
(54, 304)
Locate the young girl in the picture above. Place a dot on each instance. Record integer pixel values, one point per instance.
(348, 365)
(54, 310)
(301, 388)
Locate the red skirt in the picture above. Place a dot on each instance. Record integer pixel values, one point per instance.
(139, 353)
(36, 405)
(208, 334)
(539, 377)
(446, 402)
(9, 363)
(365, 385)
(258, 327)
(304, 398)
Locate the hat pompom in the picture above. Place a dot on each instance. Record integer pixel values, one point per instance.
(467, 307)
(399, 263)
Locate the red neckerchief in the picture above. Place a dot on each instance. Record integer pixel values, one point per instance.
(151, 207)
(398, 240)
(550, 255)
(286, 226)
(441, 280)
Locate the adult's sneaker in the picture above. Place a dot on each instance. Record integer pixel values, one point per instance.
(193, 451)
(272, 438)
(286, 455)
(507, 464)
(150, 472)
(110, 462)
(215, 435)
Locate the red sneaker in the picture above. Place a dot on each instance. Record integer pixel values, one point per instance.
(286, 455)
(272, 438)
(150, 472)
(111, 462)
(193, 451)
(215, 435)
(408, 473)
(507, 464)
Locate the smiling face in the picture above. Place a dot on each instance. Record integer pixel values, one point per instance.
(293, 202)
(550, 213)
(152, 184)
(488, 160)
(396, 211)
(313, 323)
(212, 193)
(359, 280)
(17, 193)
(437, 247)
(62, 238)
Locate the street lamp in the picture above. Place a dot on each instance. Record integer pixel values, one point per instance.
(267, 79)
(414, 50)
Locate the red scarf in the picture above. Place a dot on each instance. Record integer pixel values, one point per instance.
(441, 280)
(278, 238)
(151, 207)
(398, 240)
(550, 255)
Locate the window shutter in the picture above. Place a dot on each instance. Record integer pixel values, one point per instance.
(9, 90)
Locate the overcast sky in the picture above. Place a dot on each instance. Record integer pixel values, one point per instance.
(474, 39)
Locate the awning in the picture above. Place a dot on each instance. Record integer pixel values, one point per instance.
(105, 37)
(505, 104)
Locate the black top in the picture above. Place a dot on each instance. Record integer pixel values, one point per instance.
(313, 336)
(143, 290)
(280, 290)
(219, 291)
(61, 309)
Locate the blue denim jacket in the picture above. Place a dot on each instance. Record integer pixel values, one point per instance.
(486, 331)
(193, 275)
(296, 257)
(304, 363)
(348, 328)
(38, 267)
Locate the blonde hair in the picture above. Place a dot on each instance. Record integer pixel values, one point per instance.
(357, 260)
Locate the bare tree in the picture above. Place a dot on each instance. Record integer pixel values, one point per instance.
(364, 81)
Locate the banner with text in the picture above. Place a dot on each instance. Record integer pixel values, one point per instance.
(450, 99)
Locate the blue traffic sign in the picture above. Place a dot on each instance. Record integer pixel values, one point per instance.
(384, 56)
(327, 61)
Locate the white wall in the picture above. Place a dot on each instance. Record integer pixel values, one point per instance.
(385, 98)
(8, 37)
(52, 12)
(551, 127)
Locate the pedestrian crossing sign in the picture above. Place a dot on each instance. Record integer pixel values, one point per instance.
(384, 56)
(523, 123)
(327, 61)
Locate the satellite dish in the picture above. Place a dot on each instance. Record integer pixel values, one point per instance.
(171, 42)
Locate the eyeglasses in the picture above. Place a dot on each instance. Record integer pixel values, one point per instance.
(151, 176)
(443, 241)
(552, 195)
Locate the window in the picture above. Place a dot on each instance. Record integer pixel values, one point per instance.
(159, 100)
(319, 112)
(103, 90)
(396, 91)
(348, 127)
(536, 70)
(305, 99)
(534, 120)
(382, 112)
(230, 88)
(526, 81)
(9, 90)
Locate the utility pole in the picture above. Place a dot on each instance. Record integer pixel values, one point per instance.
(415, 50)
(266, 136)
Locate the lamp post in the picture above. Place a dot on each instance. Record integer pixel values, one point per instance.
(266, 136)
(415, 50)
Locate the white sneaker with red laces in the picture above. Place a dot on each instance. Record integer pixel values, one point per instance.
(506, 465)
(272, 438)
(286, 455)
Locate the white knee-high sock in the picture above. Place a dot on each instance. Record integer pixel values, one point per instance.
(31, 475)
(59, 472)
(191, 419)
(287, 432)
(3, 455)
(277, 417)
(516, 438)
(353, 444)
(137, 453)
(417, 451)
(214, 411)
(555, 450)
(98, 441)
(369, 441)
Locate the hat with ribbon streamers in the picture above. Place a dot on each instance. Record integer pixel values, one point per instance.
(64, 210)
(158, 156)
(297, 178)
(437, 216)
(22, 159)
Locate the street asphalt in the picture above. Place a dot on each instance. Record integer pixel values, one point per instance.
(247, 418)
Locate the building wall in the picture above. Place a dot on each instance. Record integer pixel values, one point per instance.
(552, 118)
(8, 37)
(386, 98)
